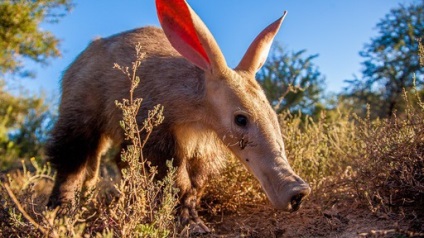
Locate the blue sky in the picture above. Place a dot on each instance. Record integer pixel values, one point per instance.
(335, 29)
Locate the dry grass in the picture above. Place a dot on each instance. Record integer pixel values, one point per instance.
(391, 165)
(137, 205)
(367, 178)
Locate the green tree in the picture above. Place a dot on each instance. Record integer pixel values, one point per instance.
(21, 36)
(291, 81)
(391, 61)
(24, 122)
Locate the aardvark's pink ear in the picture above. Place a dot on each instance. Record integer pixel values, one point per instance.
(188, 34)
(258, 51)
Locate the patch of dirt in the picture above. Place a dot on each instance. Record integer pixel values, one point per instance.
(341, 217)
(342, 220)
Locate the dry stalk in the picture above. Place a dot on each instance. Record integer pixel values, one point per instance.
(27, 216)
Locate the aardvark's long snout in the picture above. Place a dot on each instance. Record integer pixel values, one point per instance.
(285, 190)
(297, 196)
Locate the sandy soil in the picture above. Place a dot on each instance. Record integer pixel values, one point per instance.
(340, 216)
(343, 219)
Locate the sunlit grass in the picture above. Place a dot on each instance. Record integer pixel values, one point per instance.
(375, 164)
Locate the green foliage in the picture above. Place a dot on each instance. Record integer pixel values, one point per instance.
(20, 33)
(292, 77)
(390, 62)
(24, 122)
(421, 51)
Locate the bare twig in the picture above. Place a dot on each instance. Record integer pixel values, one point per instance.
(26, 215)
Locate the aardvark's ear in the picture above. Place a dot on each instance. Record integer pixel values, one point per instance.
(189, 36)
(258, 51)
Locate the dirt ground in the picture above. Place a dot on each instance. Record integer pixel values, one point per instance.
(341, 216)
(340, 220)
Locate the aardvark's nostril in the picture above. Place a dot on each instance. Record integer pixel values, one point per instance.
(297, 199)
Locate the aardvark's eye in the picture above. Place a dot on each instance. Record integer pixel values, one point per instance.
(240, 120)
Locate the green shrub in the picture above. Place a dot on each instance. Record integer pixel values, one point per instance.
(24, 122)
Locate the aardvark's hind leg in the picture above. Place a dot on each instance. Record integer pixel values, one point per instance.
(75, 155)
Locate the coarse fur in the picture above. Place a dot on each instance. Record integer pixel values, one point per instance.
(89, 118)
(184, 70)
